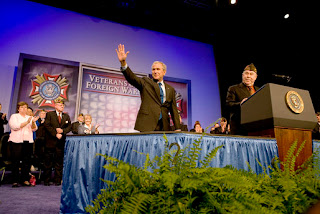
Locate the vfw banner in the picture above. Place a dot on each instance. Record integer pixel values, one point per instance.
(107, 96)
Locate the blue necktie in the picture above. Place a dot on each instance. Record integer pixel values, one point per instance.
(161, 98)
(161, 92)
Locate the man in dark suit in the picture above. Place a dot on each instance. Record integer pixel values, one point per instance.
(239, 93)
(157, 97)
(75, 125)
(57, 125)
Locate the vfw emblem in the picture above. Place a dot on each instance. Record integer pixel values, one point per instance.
(47, 88)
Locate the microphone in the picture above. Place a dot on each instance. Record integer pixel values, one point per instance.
(288, 78)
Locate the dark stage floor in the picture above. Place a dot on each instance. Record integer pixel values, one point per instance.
(39, 199)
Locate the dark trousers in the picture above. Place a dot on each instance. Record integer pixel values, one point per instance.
(21, 152)
(53, 157)
(159, 126)
(39, 152)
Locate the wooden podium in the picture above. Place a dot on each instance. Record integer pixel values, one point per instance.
(284, 113)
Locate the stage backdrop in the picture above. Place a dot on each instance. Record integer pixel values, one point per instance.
(99, 91)
(37, 29)
(111, 101)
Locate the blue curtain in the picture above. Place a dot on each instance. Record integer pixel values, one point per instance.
(82, 168)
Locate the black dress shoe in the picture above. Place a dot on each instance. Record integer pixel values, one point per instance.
(58, 184)
(46, 184)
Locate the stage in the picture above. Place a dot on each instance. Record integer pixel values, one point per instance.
(83, 168)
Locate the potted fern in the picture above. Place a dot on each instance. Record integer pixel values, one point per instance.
(172, 183)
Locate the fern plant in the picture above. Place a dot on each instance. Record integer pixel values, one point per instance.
(174, 183)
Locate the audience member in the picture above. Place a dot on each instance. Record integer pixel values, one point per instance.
(40, 139)
(88, 128)
(316, 130)
(57, 125)
(31, 114)
(75, 125)
(30, 111)
(21, 143)
(3, 121)
(212, 131)
(197, 127)
(239, 93)
(222, 129)
(183, 127)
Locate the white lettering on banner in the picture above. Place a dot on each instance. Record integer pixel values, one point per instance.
(132, 91)
(97, 86)
(91, 77)
(112, 85)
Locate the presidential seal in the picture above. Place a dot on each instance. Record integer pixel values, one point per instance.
(47, 88)
(294, 102)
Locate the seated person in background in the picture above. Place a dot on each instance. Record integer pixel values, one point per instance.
(3, 121)
(222, 129)
(87, 127)
(197, 127)
(182, 125)
(212, 131)
(316, 130)
(75, 125)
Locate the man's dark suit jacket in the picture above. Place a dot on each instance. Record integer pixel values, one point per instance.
(149, 112)
(235, 95)
(75, 127)
(41, 131)
(51, 123)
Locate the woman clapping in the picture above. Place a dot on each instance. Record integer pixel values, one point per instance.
(21, 143)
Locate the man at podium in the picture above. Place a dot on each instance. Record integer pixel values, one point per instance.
(239, 93)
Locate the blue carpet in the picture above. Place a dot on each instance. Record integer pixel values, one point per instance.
(39, 199)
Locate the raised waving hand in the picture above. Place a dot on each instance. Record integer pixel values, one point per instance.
(122, 54)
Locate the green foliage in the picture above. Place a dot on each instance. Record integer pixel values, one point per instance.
(173, 183)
